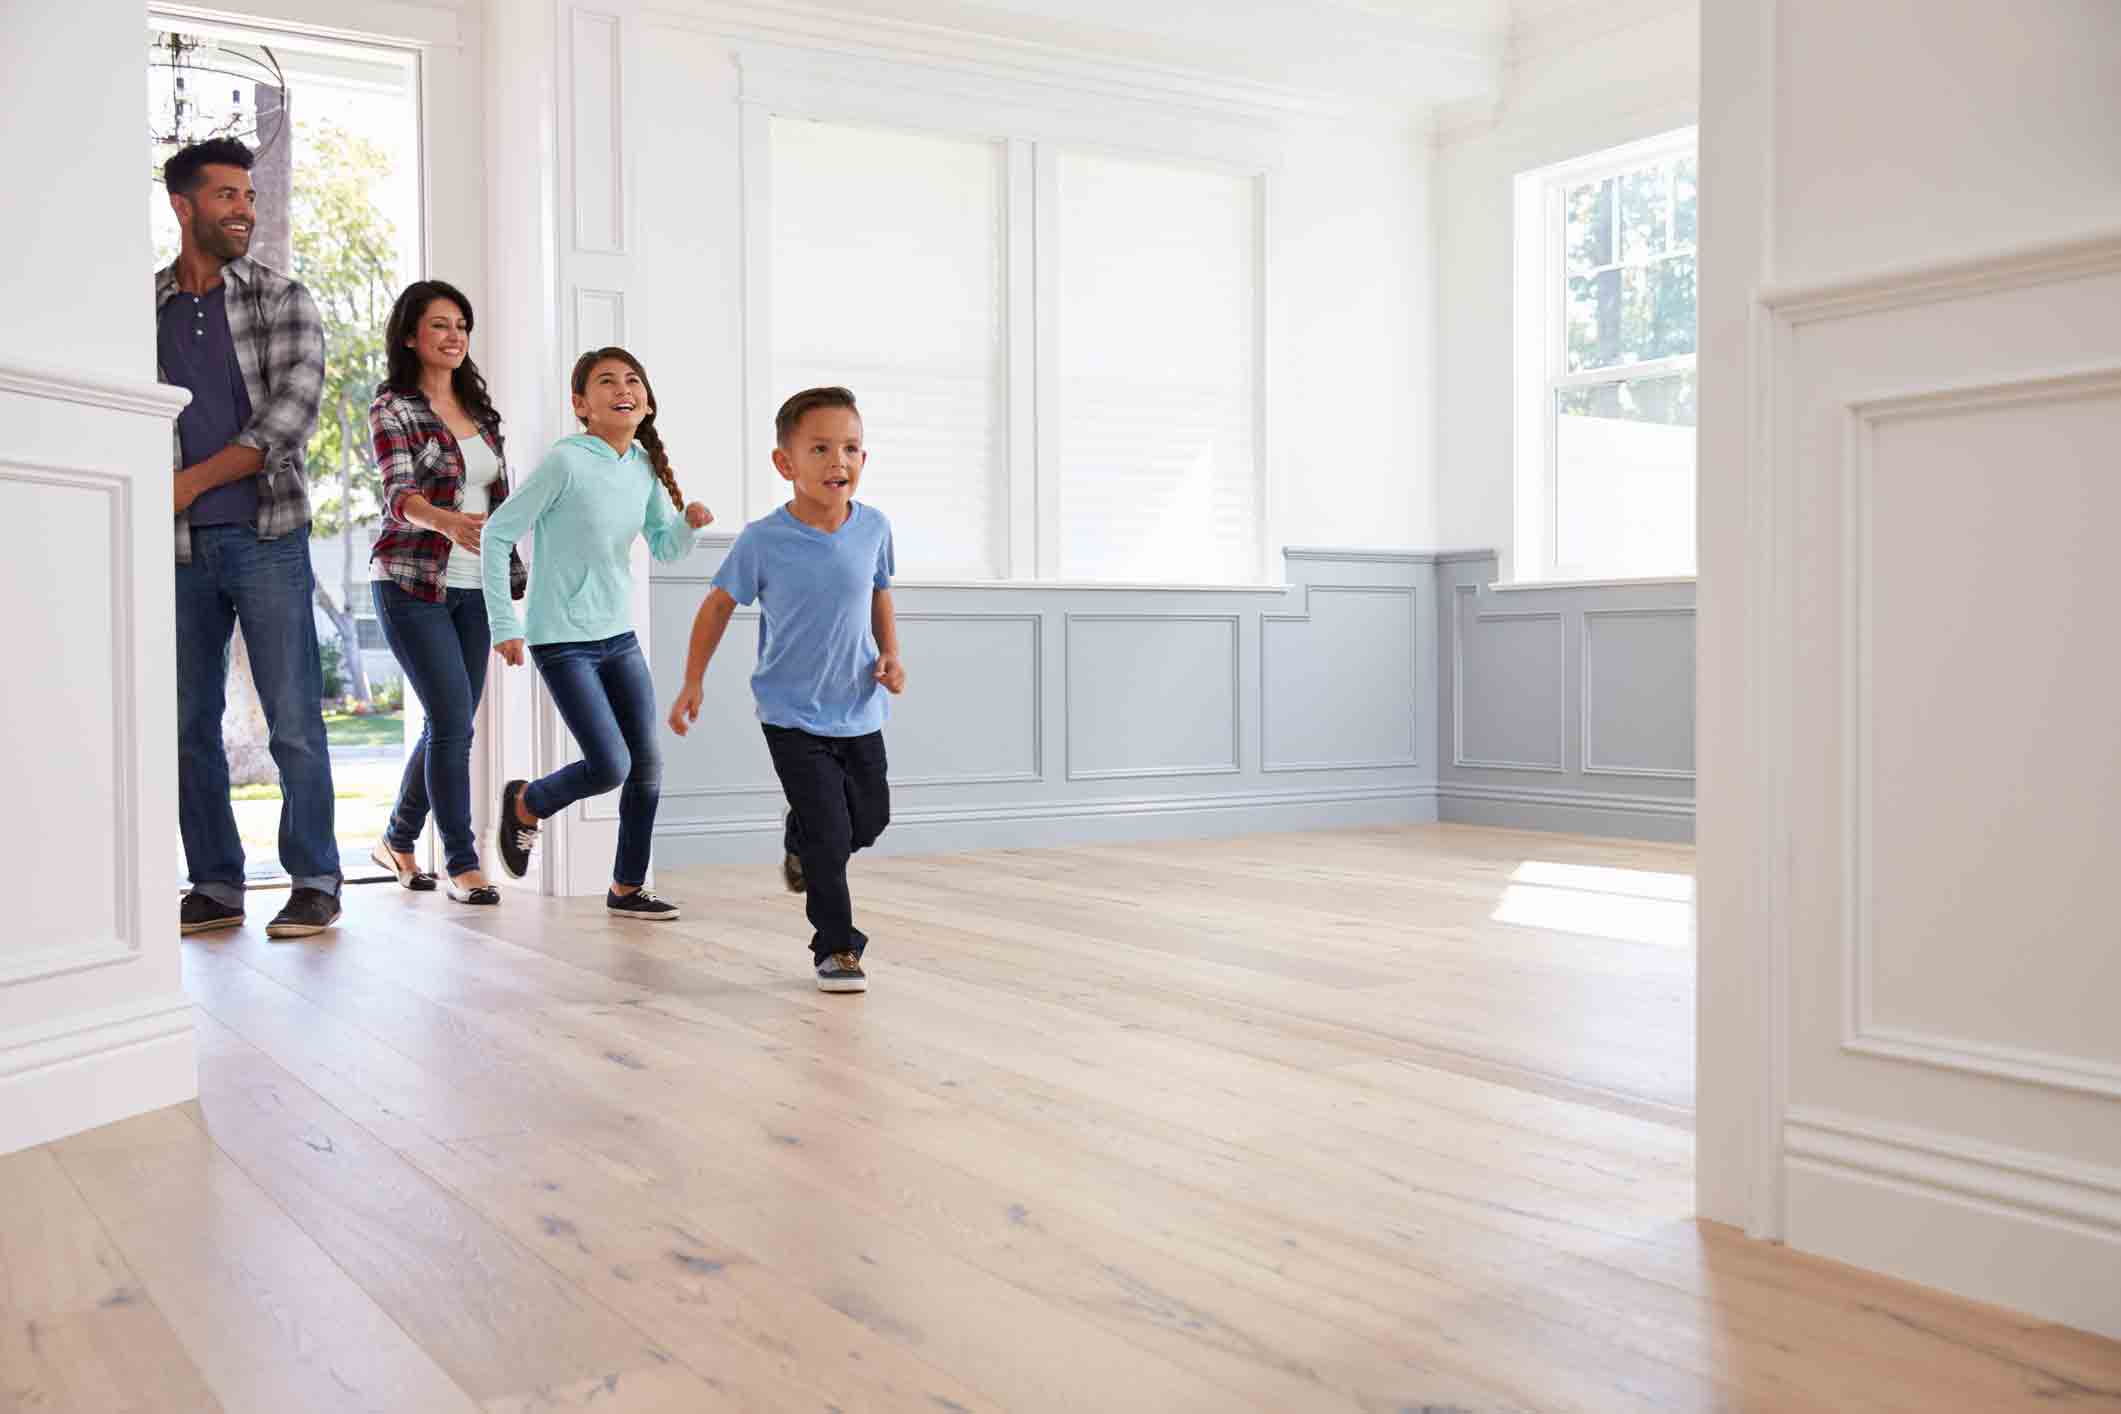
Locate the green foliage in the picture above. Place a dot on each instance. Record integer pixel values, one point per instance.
(334, 667)
(1629, 244)
(390, 695)
(345, 252)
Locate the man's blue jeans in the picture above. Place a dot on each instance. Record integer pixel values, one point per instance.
(265, 585)
(607, 699)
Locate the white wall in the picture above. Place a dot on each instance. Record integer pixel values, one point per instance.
(1350, 281)
(94, 1025)
(1911, 374)
(1572, 90)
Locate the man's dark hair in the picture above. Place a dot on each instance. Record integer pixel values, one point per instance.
(808, 401)
(187, 168)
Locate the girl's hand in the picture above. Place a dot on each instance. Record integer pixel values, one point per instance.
(463, 531)
(686, 710)
(891, 673)
(511, 651)
(697, 516)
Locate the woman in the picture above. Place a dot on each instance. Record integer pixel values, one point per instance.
(438, 446)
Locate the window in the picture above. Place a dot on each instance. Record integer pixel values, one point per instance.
(1606, 379)
(1056, 350)
(887, 278)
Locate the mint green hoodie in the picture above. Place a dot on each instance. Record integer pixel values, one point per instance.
(584, 504)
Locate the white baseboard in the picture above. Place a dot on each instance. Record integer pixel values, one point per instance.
(1581, 812)
(59, 1078)
(2032, 1232)
(1034, 825)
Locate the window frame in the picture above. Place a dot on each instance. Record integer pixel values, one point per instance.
(1030, 401)
(1541, 349)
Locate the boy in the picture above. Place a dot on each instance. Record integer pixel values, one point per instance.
(820, 568)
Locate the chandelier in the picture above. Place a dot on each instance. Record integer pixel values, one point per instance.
(200, 88)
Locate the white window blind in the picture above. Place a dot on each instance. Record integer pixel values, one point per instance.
(1156, 338)
(887, 278)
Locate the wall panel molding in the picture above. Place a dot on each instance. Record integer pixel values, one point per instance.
(1862, 1034)
(1412, 755)
(1037, 723)
(599, 318)
(1587, 736)
(1073, 677)
(1461, 596)
(600, 189)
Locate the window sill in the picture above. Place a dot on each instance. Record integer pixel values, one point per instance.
(1074, 586)
(1642, 581)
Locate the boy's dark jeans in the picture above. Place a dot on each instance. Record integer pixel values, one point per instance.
(841, 803)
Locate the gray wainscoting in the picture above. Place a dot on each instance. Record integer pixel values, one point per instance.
(1375, 687)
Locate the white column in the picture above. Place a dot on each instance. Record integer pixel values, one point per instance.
(94, 1024)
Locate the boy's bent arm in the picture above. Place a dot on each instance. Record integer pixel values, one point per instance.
(883, 624)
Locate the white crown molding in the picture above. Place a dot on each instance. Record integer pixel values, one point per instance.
(2017, 1180)
(814, 29)
(1542, 27)
(71, 385)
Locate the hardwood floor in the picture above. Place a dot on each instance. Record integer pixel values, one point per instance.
(1337, 1121)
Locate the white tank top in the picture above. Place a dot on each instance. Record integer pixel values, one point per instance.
(481, 469)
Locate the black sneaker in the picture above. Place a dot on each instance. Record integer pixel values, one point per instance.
(842, 972)
(200, 914)
(791, 862)
(308, 911)
(639, 904)
(514, 838)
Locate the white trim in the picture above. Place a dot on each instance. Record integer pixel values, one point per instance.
(1356, 555)
(1518, 586)
(388, 23)
(1926, 282)
(1861, 1034)
(1648, 805)
(84, 1034)
(96, 390)
(947, 53)
(2018, 1180)
(1584, 764)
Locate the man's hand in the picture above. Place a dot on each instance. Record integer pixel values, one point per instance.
(187, 489)
(686, 710)
(891, 673)
(511, 651)
(463, 530)
(698, 516)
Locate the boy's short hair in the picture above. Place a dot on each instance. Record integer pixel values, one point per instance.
(187, 168)
(806, 402)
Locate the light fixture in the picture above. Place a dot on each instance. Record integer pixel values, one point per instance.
(210, 91)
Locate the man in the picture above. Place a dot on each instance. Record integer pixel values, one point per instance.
(248, 342)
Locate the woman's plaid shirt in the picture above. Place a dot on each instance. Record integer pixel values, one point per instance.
(418, 456)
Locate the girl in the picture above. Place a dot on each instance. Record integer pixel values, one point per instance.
(593, 493)
(438, 445)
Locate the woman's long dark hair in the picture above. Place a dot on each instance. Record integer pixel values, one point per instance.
(650, 438)
(404, 375)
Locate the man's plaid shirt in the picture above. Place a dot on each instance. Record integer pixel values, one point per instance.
(419, 456)
(279, 339)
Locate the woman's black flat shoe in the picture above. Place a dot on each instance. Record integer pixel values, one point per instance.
(418, 880)
(484, 895)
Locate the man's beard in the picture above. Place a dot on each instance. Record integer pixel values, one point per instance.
(218, 243)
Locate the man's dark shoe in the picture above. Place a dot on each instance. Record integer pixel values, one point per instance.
(200, 914)
(308, 911)
(512, 837)
(639, 904)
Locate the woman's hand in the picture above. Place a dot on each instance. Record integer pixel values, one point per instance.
(698, 516)
(463, 530)
(511, 651)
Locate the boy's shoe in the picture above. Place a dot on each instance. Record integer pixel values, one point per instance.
(200, 914)
(511, 836)
(842, 972)
(308, 911)
(639, 904)
(791, 862)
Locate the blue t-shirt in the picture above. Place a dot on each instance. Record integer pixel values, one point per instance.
(817, 657)
(197, 352)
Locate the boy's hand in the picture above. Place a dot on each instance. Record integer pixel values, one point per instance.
(891, 673)
(511, 651)
(697, 516)
(686, 710)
